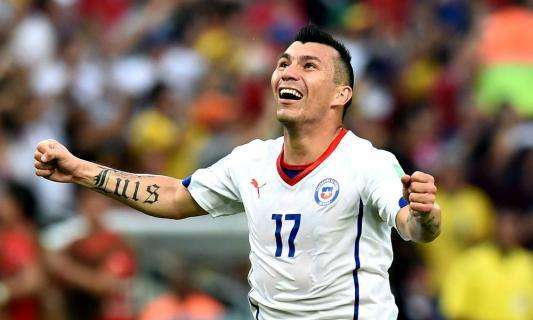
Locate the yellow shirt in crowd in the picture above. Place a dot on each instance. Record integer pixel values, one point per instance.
(467, 220)
(486, 284)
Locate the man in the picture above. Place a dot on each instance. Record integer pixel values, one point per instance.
(320, 201)
(95, 269)
(492, 280)
(22, 277)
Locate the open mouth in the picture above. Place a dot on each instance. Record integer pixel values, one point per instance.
(290, 94)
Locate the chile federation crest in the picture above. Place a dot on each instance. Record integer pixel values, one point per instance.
(326, 192)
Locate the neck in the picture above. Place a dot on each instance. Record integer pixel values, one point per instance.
(94, 224)
(304, 145)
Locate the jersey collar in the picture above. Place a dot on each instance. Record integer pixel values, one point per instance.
(312, 166)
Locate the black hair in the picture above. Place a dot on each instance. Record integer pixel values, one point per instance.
(312, 33)
(25, 198)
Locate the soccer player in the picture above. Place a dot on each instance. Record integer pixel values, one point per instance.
(320, 201)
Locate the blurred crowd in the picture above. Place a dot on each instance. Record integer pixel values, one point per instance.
(167, 86)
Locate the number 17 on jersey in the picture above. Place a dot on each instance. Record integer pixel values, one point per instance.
(292, 236)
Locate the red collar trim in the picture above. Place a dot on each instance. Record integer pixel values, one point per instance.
(307, 169)
(293, 167)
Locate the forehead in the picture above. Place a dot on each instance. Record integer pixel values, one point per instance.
(325, 53)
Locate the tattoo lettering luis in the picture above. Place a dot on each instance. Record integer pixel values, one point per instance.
(100, 180)
(153, 195)
(122, 182)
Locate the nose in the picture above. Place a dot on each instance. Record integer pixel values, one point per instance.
(290, 72)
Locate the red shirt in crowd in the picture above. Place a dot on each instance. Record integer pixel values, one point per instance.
(17, 250)
(106, 251)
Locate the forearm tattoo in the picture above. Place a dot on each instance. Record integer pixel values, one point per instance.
(427, 223)
(126, 186)
(430, 225)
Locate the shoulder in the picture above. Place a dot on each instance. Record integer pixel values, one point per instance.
(20, 235)
(366, 153)
(257, 149)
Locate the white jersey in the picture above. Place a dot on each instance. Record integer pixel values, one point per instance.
(320, 242)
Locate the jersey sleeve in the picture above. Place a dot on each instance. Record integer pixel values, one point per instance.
(383, 186)
(215, 189)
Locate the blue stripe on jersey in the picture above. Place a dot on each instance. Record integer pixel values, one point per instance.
(256, 307)
(402, 202)
(357, 261)
(186, 182)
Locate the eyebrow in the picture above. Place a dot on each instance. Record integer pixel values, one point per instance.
(287, 56)
(305, 58)
(284, 55)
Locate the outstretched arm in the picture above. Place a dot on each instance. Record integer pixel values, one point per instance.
(158, 196)
(420, 220)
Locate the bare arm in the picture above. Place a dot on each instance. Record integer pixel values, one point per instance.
(29, 281)
(420, 220)
(419, 228)
(98, 282)
(158, 196)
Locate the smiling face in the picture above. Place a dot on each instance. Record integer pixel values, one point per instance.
(304, 84)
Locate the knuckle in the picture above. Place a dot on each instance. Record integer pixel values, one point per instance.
(50, 143)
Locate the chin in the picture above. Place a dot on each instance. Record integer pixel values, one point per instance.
(286, 116)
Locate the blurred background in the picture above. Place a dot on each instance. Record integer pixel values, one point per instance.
(168, 86)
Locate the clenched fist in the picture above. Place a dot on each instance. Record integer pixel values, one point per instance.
(419, 188)
(54, 162)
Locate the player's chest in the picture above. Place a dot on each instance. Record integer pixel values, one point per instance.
(326, 192)
(316, 212)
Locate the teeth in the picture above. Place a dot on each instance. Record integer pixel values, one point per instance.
(290, 91)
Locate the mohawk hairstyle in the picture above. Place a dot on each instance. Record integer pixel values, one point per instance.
(311, 33)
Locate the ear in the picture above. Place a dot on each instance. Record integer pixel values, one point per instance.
(343, 94)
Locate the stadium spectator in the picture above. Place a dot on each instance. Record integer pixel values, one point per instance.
(95, 268)
(183, 300)
(21, 273)
(493, 280)
(505, 54)
(155, 131)
(469, 221)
